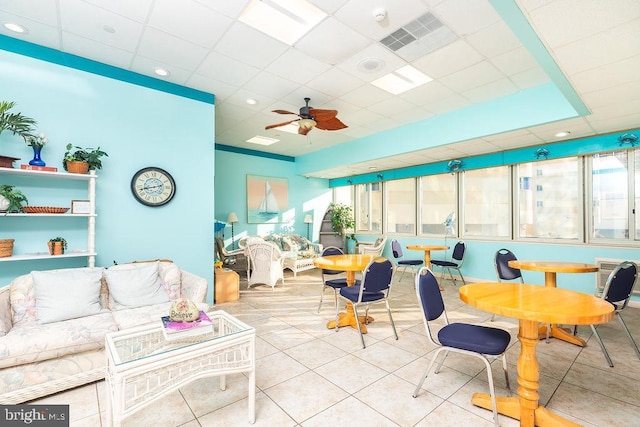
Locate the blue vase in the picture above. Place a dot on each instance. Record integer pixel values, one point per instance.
(37, 161)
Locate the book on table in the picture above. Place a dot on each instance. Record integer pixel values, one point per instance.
(173, 329)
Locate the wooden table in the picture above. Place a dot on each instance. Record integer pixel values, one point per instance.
(550, 269)
(427, 254)
(532, 304)
(350, 263)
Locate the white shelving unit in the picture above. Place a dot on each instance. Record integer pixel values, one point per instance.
(90, 251)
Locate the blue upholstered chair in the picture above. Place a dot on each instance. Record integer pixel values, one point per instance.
(473, 340)
(337, 282)
(375, 287)
(455, 262)
(617, 290)
(506, 273)
(414, 264)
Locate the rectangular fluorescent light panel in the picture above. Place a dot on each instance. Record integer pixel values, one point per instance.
(262, 140)
(285, 20)
(402, 80)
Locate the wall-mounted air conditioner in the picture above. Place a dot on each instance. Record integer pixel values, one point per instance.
(605, 267)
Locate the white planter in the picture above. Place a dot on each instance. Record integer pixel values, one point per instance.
(4, 204)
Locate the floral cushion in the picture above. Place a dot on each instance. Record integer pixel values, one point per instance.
(5, 312)
(33, 341)
(23, 300)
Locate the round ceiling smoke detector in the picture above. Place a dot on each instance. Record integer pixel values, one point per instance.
(379, 14)
(370, 65)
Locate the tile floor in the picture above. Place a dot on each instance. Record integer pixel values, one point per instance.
(310, 376)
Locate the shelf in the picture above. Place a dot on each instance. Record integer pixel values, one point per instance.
(65, 215)
(41, 174)
(44, 255)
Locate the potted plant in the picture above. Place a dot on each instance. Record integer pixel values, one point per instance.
(15, 123)
(57, 245)
(342, 221)
(81, 160)
(11, 199)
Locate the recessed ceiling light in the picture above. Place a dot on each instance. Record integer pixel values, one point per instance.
(285, 20)
(372, 168)
(162, 72)
(16, 28)
(262, 140)
(251, 101)
(563, 133)
(109, 29)
(401, 80)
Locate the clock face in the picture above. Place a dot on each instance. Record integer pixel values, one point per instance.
(153, 186)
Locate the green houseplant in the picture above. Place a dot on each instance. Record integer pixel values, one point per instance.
(57, 245)
(16, 123)
(14, 199)
(342, 220)
(88, 157)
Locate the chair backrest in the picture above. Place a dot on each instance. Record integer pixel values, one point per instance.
(263, 253)
(377, 276)
(501, 263)
(332, 250)
(396, 248)
(220, 251)
(620, 284)
(458, 252)
(429, 296)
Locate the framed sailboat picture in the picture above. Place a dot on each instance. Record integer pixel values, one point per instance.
(267, 198)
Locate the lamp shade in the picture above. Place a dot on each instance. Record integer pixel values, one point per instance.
(308, 219)
(232, 218)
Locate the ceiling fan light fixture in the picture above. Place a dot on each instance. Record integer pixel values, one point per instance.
(306, 123)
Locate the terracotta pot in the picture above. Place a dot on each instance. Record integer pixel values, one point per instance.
(55, 248)
(77, 167)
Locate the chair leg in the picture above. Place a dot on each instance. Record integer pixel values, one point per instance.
(321, 297)
(426, 374)
(624, 326)
(604, 350)
(393, 325)
(446, 353)
(492, 392)
(402, 275)
(335, 294)
(506, 372)
(461, 276)
(355, 312)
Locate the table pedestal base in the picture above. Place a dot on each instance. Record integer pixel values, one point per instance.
(510, 406)
(563, 334)
(349, 319)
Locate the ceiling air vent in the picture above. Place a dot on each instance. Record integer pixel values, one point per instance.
(419, 37)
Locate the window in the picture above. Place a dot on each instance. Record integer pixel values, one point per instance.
(549, 199)
(343, 195)
(438, 197)
(610, 196)
(401, 206)
(369, 207)
(486, 202)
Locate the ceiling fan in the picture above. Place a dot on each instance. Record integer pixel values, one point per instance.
(312, 117)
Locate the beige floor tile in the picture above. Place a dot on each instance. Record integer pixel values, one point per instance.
(351, 373)
(345, 412)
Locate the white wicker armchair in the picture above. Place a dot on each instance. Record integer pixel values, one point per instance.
(265, 263)
(372, 248)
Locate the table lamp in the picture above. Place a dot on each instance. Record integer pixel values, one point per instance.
(231, 219)
(308, 219)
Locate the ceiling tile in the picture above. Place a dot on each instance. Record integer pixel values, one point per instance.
(40, 34)
(335, 82)
(451, 58)
(332, 42)
(493, 40)
(170, 49)
(137, 10)
(514, 62)
(250, 46)
(297, 66)
(477, 15)
(227, 70)
(356, 65)
(42, 11)
(187, 19)
(96, 51)
(472, 77)
(490, 91)
(267, 84)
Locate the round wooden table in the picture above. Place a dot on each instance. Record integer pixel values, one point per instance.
(349, 263)
(532, 304)
(550, 269)
(427, 254)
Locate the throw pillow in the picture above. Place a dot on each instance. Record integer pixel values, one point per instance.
(66, 294)
(170, 278)
(136, 286)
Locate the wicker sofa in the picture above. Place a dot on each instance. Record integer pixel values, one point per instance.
(53, 339)
(298, 251)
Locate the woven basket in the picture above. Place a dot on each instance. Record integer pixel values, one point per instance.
(6, 248)
(44, 209)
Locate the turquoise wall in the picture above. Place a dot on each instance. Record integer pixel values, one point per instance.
(306, 196)
(138, 127)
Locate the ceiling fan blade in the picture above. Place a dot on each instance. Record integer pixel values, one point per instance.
(280, 124)
(320, 114)
(283, 112)
(332, 123)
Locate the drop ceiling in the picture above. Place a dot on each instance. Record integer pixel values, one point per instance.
(475, 54)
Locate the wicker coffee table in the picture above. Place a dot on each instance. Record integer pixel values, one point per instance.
(142, 366)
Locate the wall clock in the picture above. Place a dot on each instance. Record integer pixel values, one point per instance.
(153, 186)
